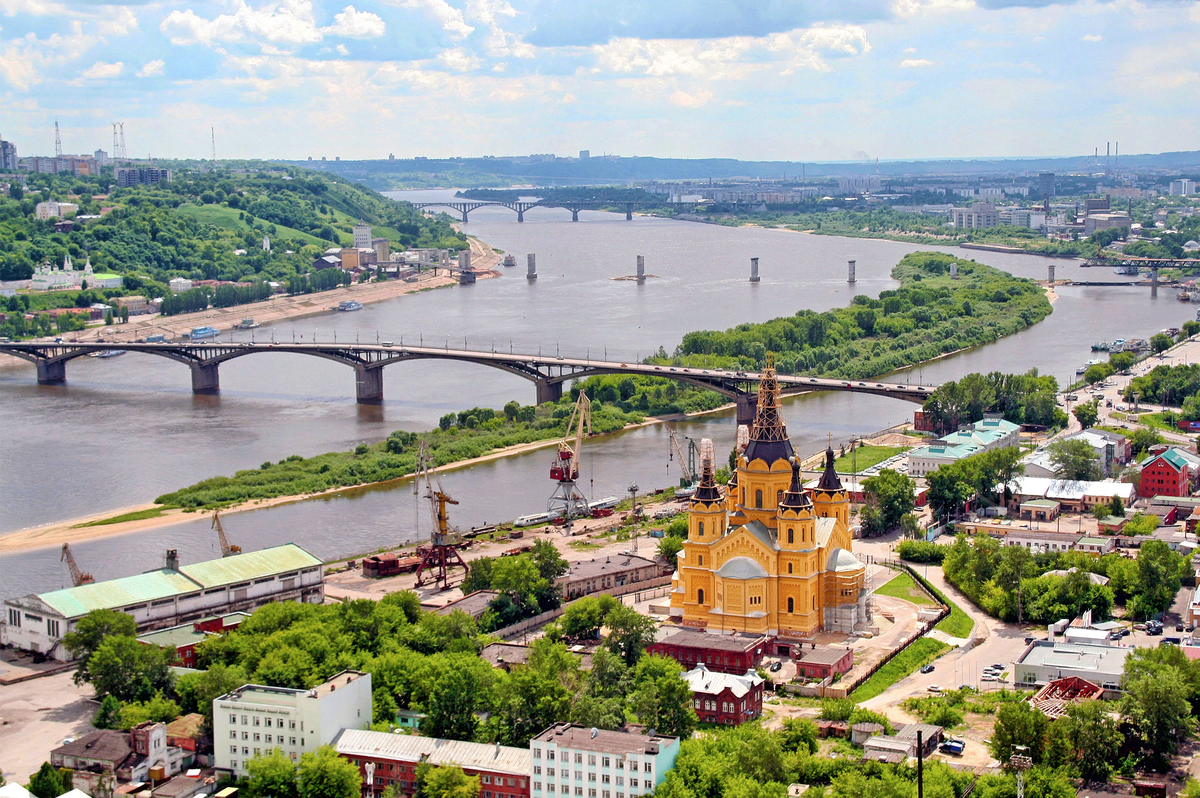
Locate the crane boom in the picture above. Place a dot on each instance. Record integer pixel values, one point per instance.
(226, 548)
(567, 502)
(444, 541)
(685, 466)
(78, 577)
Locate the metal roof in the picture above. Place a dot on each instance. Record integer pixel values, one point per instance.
(701, 680)
(741, 568)
(251, 565)
(408, 748)
(117, 593)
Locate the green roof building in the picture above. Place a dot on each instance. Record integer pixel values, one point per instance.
(169, 596)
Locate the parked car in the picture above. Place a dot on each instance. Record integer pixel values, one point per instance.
(933, 688)
(775, 667)
(928, 668)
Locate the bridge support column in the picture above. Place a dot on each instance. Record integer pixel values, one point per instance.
(747, 407)
(368, 384)
(574, 214)
(1154, 281)
(205, 378)
(520, 216)
(464, 217)
(548, 391)
(629, 213)
(50, 372)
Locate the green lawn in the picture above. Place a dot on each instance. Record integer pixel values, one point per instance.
(227, 218)
(1155, 421)
(907, 661)
(865, 457)
(138, 515)
(956, 624)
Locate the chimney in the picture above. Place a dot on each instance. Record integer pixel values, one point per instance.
(172, 559)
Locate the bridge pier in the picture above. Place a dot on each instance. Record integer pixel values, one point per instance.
(548, 391)
(368, 384)
(574, 214)
(205, 378)
(520, 215)
(629, 213)
(465, 216)
(1154, 281)
(747, 407)
(51, 371)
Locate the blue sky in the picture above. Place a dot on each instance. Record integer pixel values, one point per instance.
(753, 79)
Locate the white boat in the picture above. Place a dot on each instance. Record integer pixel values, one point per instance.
(535, 519)
(349, 304)
(107, 353)
(247, 324)
(603, 504)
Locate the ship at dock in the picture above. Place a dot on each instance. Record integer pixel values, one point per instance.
(510, 260)
(247, 324)
(200, 333)
(348, 305)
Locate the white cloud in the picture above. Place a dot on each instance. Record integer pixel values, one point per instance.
(343, 49)
(450, 18)
(910, 49)
(152, 69)
(355, 24)
(25, 61)
(912, 8)
(915, 63)
(693, 100)
(1093, 37)
(459, 60)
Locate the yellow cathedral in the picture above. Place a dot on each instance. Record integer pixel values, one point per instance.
(769, 556)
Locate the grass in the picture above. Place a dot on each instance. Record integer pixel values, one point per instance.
(903, 587)
(957, 623)
(227, 218)
(865, 457)
(138, 515)
(1156, 421)
(908, 661)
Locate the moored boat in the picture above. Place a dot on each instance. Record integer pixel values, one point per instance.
(349, 304)
(247, 324)
(510, 260)
(200, 333)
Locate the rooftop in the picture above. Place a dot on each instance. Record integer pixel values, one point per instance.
(409, 748)
(1076, 656)
(176, 636)
(697, 638)
(287, 696)
(701, 680)
(104, 746)
(473, 604)
(570, 735)
(589, 569)
(825, 655)
(499, 654)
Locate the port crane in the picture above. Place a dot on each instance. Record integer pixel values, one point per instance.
(442, 553)
(689, 474)
(567, 502)
(78, 577)
(226, 548)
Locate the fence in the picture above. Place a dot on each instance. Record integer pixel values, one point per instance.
(843, 689)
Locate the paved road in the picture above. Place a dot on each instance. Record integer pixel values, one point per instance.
(35, 717)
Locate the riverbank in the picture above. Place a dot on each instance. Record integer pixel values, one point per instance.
(484, 260)
(80, 529)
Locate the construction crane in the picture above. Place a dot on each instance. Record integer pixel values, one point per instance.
(78, 577)
(226, 548)
(687, 464)
(567, 502)
(442, 553)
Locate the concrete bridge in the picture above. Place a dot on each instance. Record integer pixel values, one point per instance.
(547, 372)
(466, 206)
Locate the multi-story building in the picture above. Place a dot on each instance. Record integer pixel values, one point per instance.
(1182, 188)
(362, 236)
(1046, 184)
(567, 759)
(769, 557)
(978, 216)
(858, 185)
(733, 653)
(168, 596)
(1103, 221)
(984, 435)
(52, 210)
(729, 699)
(254, 719)
(391, 760)
(608, 575)
(141, 176)
(78, 165)
(185, 637)
(8, 156)
(1169, 473)
(383, 249)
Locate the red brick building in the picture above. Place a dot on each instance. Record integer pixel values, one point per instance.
(186, 637)
(1169, 473)
(725, 698)
(735, 653)
(387, 759)
(822, 662)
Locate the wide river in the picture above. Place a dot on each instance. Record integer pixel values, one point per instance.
(124, 430)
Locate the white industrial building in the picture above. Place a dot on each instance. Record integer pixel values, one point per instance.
(255, 719)
(1044, 661)
(167, 596)
(610, 764)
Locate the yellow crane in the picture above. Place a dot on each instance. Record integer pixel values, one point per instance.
(226, 548)
(78, 577)
(566, 501)
(442, 553)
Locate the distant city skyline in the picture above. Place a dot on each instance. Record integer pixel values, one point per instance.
(815, 81)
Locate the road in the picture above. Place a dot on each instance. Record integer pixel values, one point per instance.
(35, 717)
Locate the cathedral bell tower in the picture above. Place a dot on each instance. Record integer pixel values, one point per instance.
(764, 469)
(829, 497)
(797, 528)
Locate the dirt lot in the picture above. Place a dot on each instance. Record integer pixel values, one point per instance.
(35, 716)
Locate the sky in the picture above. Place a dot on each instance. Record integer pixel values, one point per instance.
(752, 79)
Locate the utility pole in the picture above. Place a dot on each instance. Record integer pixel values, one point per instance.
(1020, 762)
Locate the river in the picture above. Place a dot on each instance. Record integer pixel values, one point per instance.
(123, 430)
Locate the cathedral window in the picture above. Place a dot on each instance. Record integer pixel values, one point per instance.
(791, 605)
(758, 499)
(700, 559)
(700, 596)
(701, 528)
(778, 497)
(791, 535)
(789, 565)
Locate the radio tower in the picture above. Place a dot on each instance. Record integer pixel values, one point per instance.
(124, 152)
(214, 145)
(57, 141)
(116, 144)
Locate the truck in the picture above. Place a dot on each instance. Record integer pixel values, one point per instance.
(953, 747)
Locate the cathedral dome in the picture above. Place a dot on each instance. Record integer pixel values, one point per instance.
(842, 560)
(742, 568)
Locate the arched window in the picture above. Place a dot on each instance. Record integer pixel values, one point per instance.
(791, 535)
(758, 499)
(789, 568)
(700, 559)
(700, 596)
(778, 498)
(701, 529)
(791, 605)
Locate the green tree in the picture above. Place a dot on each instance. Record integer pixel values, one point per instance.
(662, 699)
(1160, 343)
(1157, 706)
(324, 774)
(196, 691)
(1018, 724)
(1116, 507)
(271, 775)
(799, 734)
(1074, 459)
(109, 714)
(629, 632)
(1159, 578)
(893, 493)
(669, 547)
(47, 782)
(451, 706)
(1095, 739)
(159, 709)
(91, 630)
(1142, 439)
(130, 670)
(1087, 413)
(448, 781)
